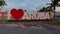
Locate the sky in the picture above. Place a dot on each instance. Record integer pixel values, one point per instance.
(29, 5)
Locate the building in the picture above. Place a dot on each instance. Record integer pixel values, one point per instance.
(0, 13)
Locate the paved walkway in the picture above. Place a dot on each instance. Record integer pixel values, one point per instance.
(14, 30)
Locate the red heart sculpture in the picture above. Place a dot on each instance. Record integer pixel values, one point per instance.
(17, 14)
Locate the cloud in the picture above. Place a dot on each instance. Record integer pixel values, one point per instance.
(26, 4)
(36, 5)
(33, 9)
(26, 1)
(23, 4)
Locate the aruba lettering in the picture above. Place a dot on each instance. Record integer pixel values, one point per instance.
(36, 16)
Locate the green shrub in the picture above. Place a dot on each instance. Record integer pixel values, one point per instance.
(29, 24)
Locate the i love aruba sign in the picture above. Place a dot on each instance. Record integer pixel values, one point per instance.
(20, 14)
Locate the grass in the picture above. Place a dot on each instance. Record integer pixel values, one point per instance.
(29, 24)
(3, 18)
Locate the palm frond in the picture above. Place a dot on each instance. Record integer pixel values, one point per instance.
(2, 3)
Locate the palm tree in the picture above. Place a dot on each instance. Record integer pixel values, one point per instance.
(2, 4)
(53, 5)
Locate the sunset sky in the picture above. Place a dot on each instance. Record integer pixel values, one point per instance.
(28, 5)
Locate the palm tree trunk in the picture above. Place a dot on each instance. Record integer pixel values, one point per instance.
(50, 15)
(54, 13)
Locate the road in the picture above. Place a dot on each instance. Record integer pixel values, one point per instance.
(39, 30)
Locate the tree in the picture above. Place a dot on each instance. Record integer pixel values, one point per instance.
(42, 10)
(2, 4)
(53, 5)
